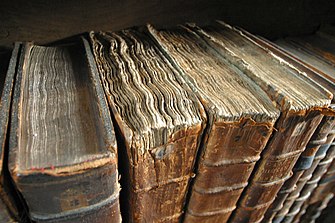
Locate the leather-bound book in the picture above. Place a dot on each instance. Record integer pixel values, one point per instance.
(160, 124)
(313, 56)
(307, 182)
(62, 148)
(317, 146)
(300, 205)
(323, 192)
(314, 210)
(241, 119)
(328, 215)
(11, 205)
(301, 101)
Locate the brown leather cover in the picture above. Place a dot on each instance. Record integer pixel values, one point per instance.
(298, 207)
(157, 160)
(286, 145)
(233, 142)
(76, 192)
(275, 165)
(217, 187)
(291, 188)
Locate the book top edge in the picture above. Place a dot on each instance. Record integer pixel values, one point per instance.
(62, 116)
(292, 91)
(225, 91)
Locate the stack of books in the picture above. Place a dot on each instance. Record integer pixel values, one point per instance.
(187, 124)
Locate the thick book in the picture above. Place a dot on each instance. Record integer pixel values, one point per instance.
(297, 194)
(299, 206)
(11, 204)
(241, 119)
(324, 191)
(317, 146)
(160, 124)
(301, 101)
(62, 148)
(312, 55)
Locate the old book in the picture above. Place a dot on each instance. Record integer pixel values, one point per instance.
(62, 149)
(301, 101)
(11, 205)
(295, 195)
(316, 66)
(241, 119)
(314, 211)
(317, 146)
(325, 191)
(160, 123)
(299, 206)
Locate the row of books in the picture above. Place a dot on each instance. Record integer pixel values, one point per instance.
(185, 124)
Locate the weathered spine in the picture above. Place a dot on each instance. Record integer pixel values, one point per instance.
(231, 150)
(276, 165)
(314, 210)
(158, 151)
(300, 204)
(225, 167)
(285, 146)
(306, 164)
(321, 195)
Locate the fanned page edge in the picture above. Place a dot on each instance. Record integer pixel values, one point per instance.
(284, 103)
(110, 155)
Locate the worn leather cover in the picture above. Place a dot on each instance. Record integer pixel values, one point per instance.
(77, 185)
(319, 71)
(8, 193)
(321, 195)
(299, 206)
(291, 189)
(314, 210)
(160, 123)
(233, 142)
(286, 145)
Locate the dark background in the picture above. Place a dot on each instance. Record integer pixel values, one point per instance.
(45, 21)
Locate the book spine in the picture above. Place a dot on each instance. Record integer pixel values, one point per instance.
(314, 210)
(72, 198)
(275, 165)
(289, 190)
(299, 205)
(225, 167)
(327, 215)
(162, 184)
(325, 185)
